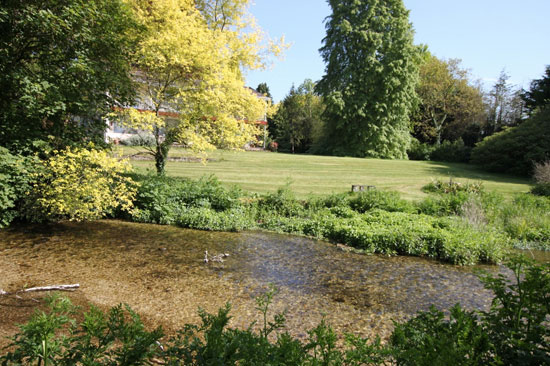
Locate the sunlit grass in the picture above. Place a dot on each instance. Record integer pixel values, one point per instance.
(260, 172)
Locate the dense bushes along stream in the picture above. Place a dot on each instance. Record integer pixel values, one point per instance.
(514, 331)
(461, 225)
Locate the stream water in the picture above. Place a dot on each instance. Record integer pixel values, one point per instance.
(159, 270)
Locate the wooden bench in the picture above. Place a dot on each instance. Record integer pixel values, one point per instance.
(361, 188)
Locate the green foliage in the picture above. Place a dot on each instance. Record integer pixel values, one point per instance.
(63, 63)
(202, 218)
(541, 189)
(56, 338)
(517, 323)
(431, 339)
(513, 332)
(371, 72)
(419, 150)
(372, 221)
(297, 125)
(204, 204)
(119, 338)
(15, 183)
(526, 218)
(455, 152)
(538, 95)
(263, 89)
(385, 200)
(439, 186)
(448, 104)
(282, 202)
(515, 149)
(444, 204)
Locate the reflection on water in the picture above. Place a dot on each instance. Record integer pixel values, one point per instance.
(159, 271)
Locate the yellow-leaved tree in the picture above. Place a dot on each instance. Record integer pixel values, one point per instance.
(189, 70)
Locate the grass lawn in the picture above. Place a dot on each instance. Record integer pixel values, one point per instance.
(260, 171)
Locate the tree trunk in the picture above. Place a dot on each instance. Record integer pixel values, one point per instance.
(161, 154)
(438, 127)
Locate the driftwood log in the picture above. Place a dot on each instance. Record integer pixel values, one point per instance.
(72, 287)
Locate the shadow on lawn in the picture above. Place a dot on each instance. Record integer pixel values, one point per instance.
(472, 172)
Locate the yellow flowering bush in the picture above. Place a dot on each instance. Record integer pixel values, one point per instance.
(80, 184)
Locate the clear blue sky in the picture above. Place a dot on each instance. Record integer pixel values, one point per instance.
(487, 35)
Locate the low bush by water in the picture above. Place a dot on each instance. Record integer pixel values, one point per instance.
(372, 221)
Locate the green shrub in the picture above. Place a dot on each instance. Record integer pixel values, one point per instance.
(454, 152)
(514, 331)
(376, 199)
(444, 204)
(430, 339)
(209, 192)
(525, 218)
(158, 200)
(56, 338)
(541, 189)
(16, 178)
(392, 233)
(515, 149)
(165, 200)
(439, 186)
(203, 218)
(333, 200)
(420, 151)
(517, 323)
(282, 202)
(119, 338)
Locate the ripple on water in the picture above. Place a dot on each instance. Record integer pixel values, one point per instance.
(159, 270)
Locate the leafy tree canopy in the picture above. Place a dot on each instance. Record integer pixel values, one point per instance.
(62, 65)
(297, 125)
(447, 100)
(190, 66)
(370, 75)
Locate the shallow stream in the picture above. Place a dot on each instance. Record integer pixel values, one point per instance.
(160, 272)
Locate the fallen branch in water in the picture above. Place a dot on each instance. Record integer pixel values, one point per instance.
(43, 288)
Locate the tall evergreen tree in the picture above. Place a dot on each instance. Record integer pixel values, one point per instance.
(538, 95)
(370, 76)
(264, 89)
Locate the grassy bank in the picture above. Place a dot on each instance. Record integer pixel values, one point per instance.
(261, 172)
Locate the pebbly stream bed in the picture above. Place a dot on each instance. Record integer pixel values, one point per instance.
(160, 272)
